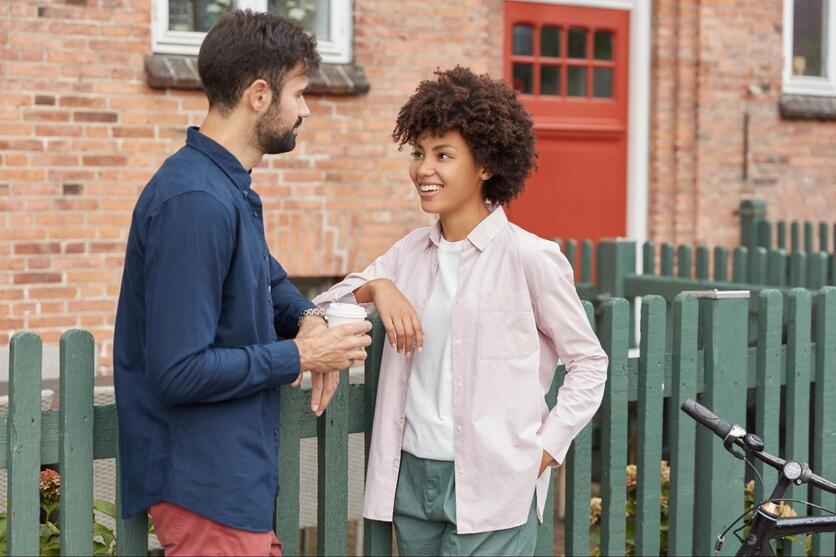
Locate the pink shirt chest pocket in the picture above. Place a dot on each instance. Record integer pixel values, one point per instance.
(506, 325)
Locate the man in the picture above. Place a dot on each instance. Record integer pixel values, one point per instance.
(197, 356)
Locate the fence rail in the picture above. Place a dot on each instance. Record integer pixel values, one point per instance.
(708, 358)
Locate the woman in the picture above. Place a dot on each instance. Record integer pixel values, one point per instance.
(477, 312)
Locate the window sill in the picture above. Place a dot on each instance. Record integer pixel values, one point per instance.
(807, 107)
(170, 71)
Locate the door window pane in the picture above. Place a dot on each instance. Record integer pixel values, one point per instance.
(808, 32)
(196, 15)
(550, 41)
(523, 78)
(577, 42)
(522, 40)
(602, 82)
(313, 15)
(603, 45)
(576, 81)
(550, 80)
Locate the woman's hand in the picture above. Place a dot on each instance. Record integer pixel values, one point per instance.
(545, 461)
(397, 314)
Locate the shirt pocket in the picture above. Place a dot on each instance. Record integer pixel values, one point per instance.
(506, 325)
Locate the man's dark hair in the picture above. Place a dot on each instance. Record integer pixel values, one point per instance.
(490, 117)
(244, 46)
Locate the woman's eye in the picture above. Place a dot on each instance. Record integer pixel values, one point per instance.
(416, 155)
(444, 156)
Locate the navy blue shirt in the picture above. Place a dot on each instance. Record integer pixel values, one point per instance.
(197, 356)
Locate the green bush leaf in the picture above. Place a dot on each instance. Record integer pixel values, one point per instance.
(105, 507)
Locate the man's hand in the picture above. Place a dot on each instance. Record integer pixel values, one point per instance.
(545, 461)
(324, 351)
(398, 316)
(311, 323)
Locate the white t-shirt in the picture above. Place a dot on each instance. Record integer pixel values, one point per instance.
(428, 431)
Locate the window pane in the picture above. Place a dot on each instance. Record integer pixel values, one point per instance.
(808, 25)
(576, 82)
(523, 78)
(602, 82)
(196, 15)
(550, 41)
(603, 45)
(523, 40)
(313, 15)
(577, 42)
(550, 80)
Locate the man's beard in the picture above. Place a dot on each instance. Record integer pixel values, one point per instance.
(272, 142)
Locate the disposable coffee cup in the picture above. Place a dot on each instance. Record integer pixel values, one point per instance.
(341, 314)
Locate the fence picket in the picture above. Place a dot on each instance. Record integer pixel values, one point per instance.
(817, 270)
(797, 412)
(782, 235)
(777, 268)
(758, 268)
(24, 444)
(702, 262)
(724, 334)
(545, 533)
(682, 429)
(286, 517)
(823, 243)
(614, 331)
(578, 484)
(768, 384)
(798, 269)
(586, 261)
(76, 442)
(648, 258)
(739, 264)
(824, 421)
(764, 234)
(569, 248)
(132, 532)
(795, 237)
(721, 264)
(666, 266)
(649, 450)
(683, 262)
(332, 473)
(808, 237)
(377, 535)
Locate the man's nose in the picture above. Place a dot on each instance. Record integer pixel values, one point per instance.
(304, 111)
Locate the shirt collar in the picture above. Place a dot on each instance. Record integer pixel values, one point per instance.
(225, 160)
(484, 232)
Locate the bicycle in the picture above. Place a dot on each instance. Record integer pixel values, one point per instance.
(765, 525)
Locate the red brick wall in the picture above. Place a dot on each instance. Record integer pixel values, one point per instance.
(706, 55)
(81, 133)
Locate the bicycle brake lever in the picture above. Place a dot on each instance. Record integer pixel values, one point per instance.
(736, 432)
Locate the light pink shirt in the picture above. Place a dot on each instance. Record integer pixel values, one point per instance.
(515, 312)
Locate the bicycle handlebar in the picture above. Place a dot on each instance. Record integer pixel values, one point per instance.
(721, 429)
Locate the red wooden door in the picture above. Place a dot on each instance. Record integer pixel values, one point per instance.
(569, 65)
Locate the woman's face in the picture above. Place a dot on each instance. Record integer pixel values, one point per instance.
(446, 175)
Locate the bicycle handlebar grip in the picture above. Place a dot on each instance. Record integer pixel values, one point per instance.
(706, 417)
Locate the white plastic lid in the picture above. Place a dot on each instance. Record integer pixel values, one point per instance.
(346, 310)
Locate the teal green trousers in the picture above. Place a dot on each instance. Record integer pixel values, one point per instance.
(425, 516)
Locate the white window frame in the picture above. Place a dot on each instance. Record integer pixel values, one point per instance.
(337, 50)
(803, 84)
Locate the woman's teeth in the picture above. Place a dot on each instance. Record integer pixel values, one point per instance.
(426, 188)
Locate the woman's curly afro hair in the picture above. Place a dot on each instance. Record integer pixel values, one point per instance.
(490, 118)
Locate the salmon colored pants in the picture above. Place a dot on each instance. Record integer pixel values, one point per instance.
(184, 533)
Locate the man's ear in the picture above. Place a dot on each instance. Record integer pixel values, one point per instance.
(258, 96)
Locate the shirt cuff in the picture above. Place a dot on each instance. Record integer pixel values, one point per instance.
(555, 439)
(284, 362)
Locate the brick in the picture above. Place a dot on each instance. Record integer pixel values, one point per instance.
(81, 116)
(103, 160)
(30, 248)
(33, 278)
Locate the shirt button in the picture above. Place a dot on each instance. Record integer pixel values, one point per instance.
(245, 193)
(458, 384)
(276, 432)
(458, 342)
(459, 428)
(401, 421)
(255, 214)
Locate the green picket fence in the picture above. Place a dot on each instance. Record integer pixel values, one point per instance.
(756, 230)
(709, 359)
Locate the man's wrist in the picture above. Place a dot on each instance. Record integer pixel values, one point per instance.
(311, 312)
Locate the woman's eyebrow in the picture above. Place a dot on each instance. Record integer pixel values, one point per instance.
(445, 146)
